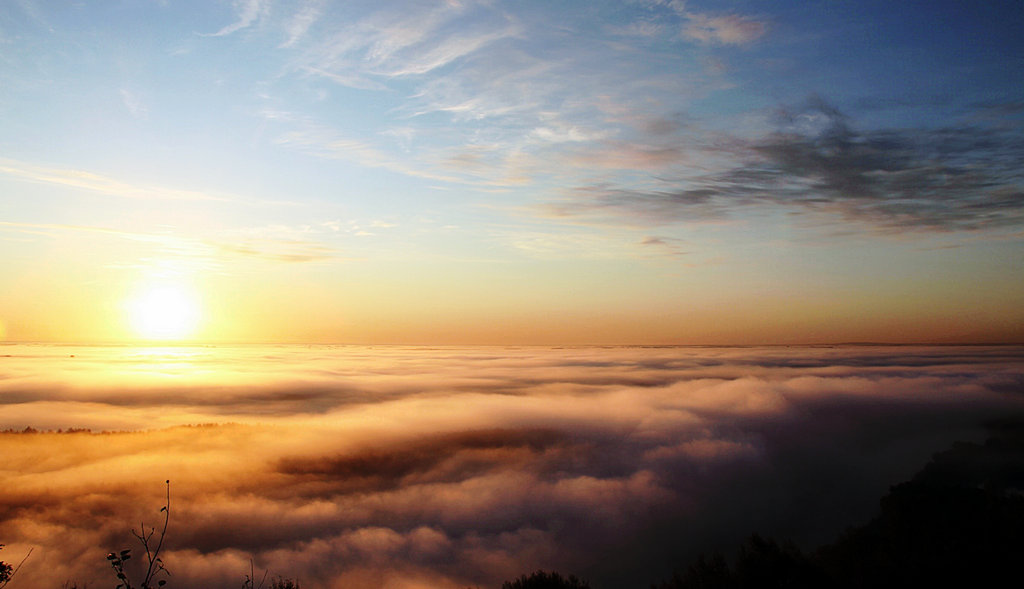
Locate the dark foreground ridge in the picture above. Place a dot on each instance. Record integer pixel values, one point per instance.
(958, 523)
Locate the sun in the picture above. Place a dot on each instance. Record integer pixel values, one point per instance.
(164, 312)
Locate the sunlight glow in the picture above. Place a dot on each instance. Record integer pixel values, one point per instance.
(164, 312)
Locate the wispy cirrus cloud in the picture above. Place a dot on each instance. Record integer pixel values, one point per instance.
(134, 104)
(278, 251)
(487, 94)
(725, 30)
(447, 51)
(50, 228)
(280, 244)
(277, 243)
(416, 40)
(702, 27)
(325, 143)
(249, 12)
(99, 183)
(299, 23)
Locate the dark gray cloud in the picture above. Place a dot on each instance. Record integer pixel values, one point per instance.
(958, 177)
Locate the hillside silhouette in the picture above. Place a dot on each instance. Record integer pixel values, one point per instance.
(959, 522)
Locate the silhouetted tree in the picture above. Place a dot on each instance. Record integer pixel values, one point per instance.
(543, 580)
(766, 564)
(5, 571)
(958, 523)
(703, 573)
(760, 564)
(275, 583)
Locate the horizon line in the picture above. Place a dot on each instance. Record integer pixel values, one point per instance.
(202, 343)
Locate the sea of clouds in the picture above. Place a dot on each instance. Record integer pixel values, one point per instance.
(409, 467)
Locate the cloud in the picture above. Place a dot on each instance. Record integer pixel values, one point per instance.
(325, 143)
(641, 28)
(447, 51)
(299, 24)
(564, 242)
(950, 178)
(134, 104)
(278, 250)
(249, 12)
(486, 94)
(724, 30)
(630, 156)
(664, 245)
(413, 41)
(288, 245)
(458, 467)
(99, 183)
(704, 28)
(168, 245)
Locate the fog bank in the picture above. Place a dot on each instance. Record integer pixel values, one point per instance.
(407, 467)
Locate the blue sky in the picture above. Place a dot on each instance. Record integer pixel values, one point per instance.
(581, 171)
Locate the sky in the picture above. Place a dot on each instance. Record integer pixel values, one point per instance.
(641, 171)
(406, 467)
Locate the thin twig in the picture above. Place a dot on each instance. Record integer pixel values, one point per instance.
(17, 568)
(163, 532)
